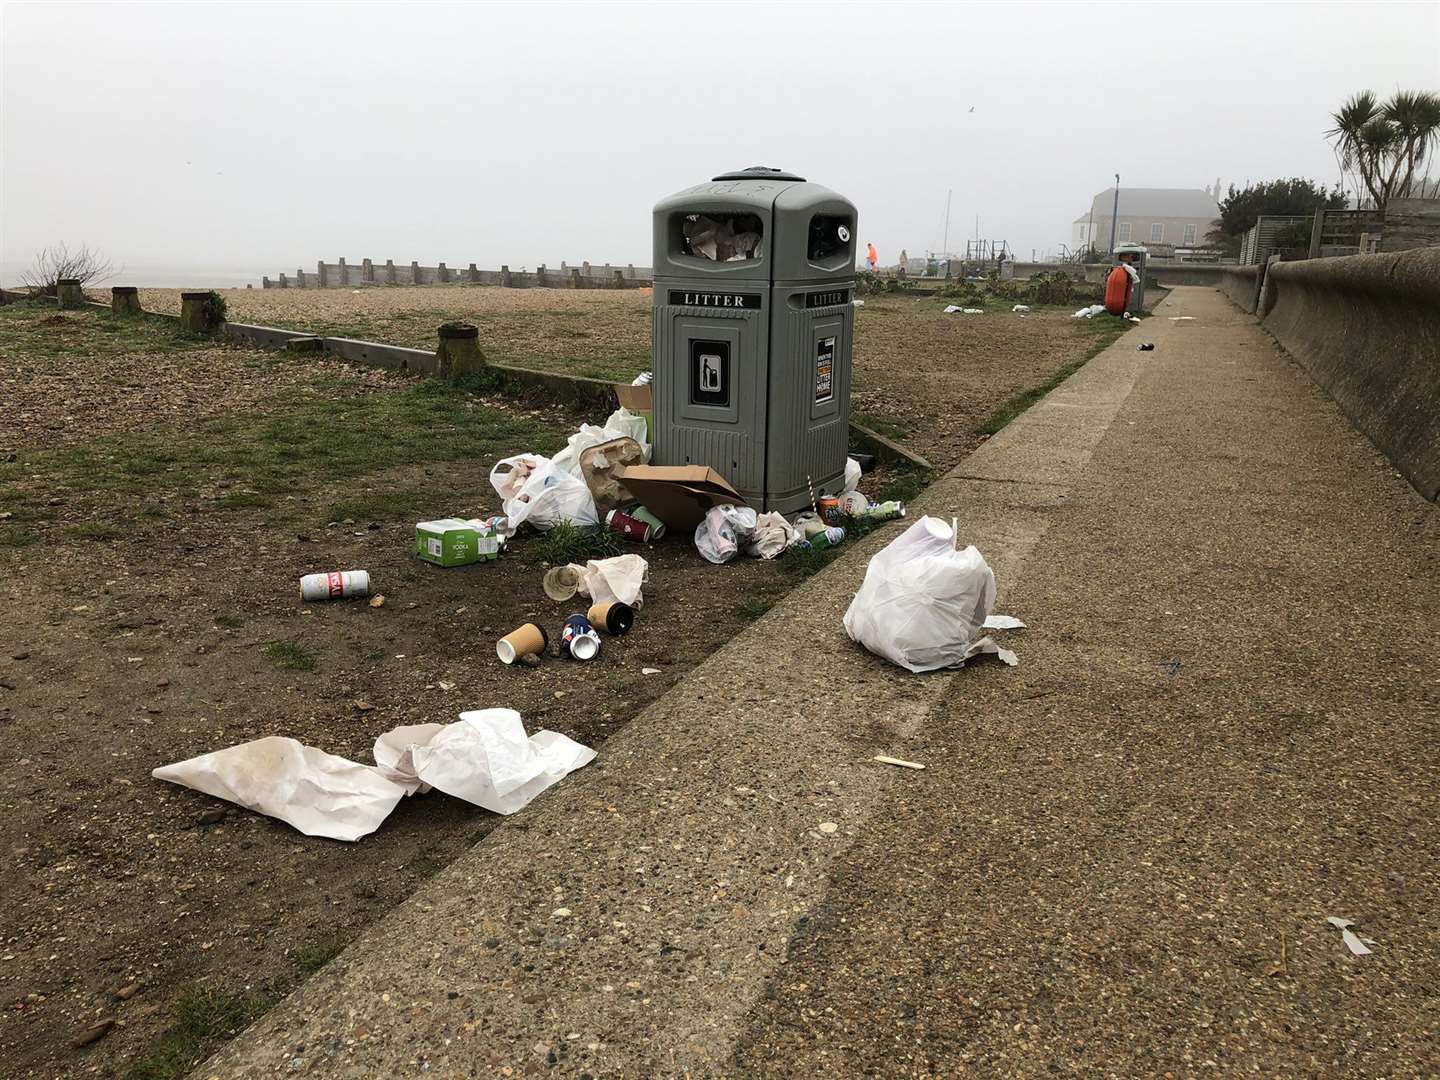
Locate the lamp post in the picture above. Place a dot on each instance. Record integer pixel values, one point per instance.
(1115, 214)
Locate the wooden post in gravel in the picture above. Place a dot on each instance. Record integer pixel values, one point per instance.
(69, 293)
(195, 313)
(125, 300)
(459, 352)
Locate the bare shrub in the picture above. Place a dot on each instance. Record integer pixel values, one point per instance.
(54, 263)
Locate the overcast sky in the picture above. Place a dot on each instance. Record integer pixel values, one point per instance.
(264, 137)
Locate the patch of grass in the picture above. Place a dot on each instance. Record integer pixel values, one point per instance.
(306, 442)
(201, 1018)
(312, 957)
(1106, 330)
(888, 428)
(229, 622)
(39, 327)
(15, 536)
(242, 500)
(95, 530)
(391, 504)
(905, 484)
(290, 657)
(752, 607)
(568, 543)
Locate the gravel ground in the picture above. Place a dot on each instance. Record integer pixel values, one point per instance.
(1120, 858)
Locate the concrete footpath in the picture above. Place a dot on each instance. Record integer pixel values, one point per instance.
(1121, 854)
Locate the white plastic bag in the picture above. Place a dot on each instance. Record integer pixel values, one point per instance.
(568, 460)
(922, 602)
(318, 793)
(852, 474)
(718, 536)
(622, 423)
(488, 760)
(535, 491)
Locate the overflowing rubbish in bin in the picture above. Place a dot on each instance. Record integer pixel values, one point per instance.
(723, 237)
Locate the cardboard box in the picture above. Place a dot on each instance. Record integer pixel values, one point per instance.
(452, 542)
(679, 495)
(638, 399)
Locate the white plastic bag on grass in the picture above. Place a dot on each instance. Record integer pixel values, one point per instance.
(853, 473)
(535, 491)
(624, 422)
(922, 602)
(725, 527)
(621, 423)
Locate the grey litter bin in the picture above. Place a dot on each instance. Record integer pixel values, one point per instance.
(1141, 258)
(752, 333)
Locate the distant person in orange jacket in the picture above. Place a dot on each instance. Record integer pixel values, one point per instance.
(871, 257)
(1119, 284)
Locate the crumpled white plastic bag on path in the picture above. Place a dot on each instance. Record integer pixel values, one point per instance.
(535, 491)
(318, 793)
(922, 602)
(725, 527)
(853, 473)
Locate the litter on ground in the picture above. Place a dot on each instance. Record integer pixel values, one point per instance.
(1352, 940)
(484, 758)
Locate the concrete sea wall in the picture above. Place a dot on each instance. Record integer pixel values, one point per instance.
(1367, 329)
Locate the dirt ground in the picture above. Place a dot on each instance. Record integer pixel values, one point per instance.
(159, 499)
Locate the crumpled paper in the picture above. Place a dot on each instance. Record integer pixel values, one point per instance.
(484, 758)
(488, 760)
(607, 581)
(318, 793)
(771, 536)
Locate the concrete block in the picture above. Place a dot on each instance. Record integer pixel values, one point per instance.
(125, 300)
(198, 314)
(69, 293)
(459, 351)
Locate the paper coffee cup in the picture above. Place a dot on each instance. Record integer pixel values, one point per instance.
(522, 642)
(561, 582)
(614, 618)
(657, 527)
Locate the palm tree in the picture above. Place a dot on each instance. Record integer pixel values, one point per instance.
(1383, 144)
(1415, 118)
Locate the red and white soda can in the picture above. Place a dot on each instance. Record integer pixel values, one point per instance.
(335, 585)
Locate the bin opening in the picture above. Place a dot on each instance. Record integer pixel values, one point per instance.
(830, 235)
(722, 237)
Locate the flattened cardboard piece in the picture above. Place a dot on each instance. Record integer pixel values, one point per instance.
(637, 399)
(679, 495)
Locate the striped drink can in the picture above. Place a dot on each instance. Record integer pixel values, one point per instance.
(335, 585)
